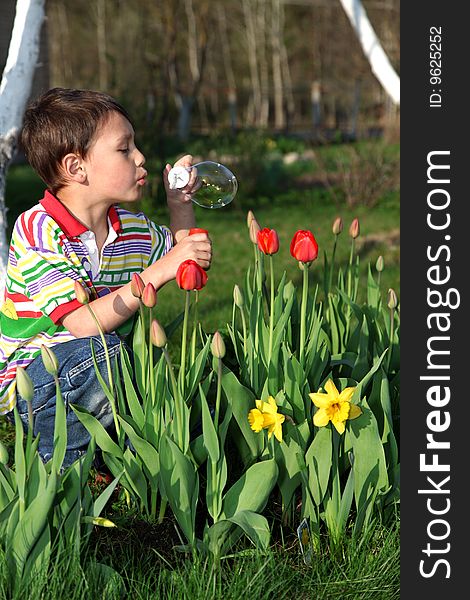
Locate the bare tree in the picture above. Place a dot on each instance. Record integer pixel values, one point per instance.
(372, 47)
(278, 89)
(15, 89)
(228, 65)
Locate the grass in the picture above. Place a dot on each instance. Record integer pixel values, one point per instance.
(360, 570)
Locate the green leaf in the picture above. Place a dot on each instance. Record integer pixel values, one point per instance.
(196, 370)
(289, 477)
(319, 461)
(255, 526)
(131, 396)
(38, 559)
(361, 366)
(146, 452)
(31, 525)
(60, 430)
(20, 464)
(241, 401)
(251, 491)
(97, 430)
(369, 465)
(216, 480)
(136, 477)
(104, 497)
(346, 502)
(208, 429)
(181, 485)
(199, 450)
(373, 290)
(104, 384)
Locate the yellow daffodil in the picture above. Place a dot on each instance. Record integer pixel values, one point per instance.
(334, 407)
(256, 420)
(265, 416)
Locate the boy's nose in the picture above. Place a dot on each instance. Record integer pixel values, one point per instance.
(139, 159)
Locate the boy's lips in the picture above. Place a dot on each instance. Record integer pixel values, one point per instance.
(142, 180)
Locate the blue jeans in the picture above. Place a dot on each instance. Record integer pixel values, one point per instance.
(79, 385)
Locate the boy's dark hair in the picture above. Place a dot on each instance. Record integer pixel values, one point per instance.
(63, 121)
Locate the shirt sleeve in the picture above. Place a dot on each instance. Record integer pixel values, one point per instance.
(162, 241)
(47, 271)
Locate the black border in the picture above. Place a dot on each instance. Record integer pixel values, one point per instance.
(425, 129)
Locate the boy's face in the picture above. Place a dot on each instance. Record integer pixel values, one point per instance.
(114, 165)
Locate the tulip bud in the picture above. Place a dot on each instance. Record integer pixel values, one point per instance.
(218, 345)
(149, 296)
(137, 285)
(379, 265)
(4, 457)
(157, 334)
(250, 216)
(80, 292)
(392, 300)
(24, 385)
(238, 297)
(354, 229)
(50, 360)
(337, 225)
(254, 228)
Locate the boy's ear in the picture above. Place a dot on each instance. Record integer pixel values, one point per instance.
(73, 168)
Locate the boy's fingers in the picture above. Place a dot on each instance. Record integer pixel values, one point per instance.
(184, 161)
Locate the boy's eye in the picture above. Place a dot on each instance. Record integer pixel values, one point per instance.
(123, 149)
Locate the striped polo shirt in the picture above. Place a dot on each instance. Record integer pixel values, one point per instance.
(48, 252)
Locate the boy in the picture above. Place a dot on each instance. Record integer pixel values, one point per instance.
(81, 143)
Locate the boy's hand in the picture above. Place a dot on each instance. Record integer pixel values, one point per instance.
(197, 247)
(183, 195)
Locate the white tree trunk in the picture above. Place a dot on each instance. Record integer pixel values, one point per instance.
(15, 89)
(380, 65)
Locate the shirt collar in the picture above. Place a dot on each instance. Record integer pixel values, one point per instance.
(67, 222)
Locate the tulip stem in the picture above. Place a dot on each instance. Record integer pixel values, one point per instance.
(303, 312)
(244, 328)
(177, 397)
(151, 373)
(330, 281)
(219, 394)
(271, 314)
(108, 366)
(161, 512)
(256, 264)
(182, 374)
(194, 332)
(142, 347)
(392, 327)
(351, 258)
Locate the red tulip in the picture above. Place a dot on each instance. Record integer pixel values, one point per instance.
(268, 242)
(197, 230)
(190, 276)
(304, 247)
